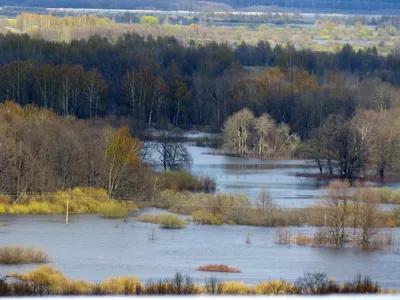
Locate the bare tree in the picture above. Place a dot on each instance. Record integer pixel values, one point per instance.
(173, 154)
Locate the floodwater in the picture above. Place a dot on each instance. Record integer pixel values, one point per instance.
(93, 248)
(249, 176)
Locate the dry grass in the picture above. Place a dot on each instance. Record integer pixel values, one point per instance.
(218, 268)
(18, 255)
(283, 235)
(81, 201)
(165, 220)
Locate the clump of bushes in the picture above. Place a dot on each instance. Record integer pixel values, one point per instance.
(218, 268)
(206, 217)
(46, 280)
(165, 220)
(80, 201)
(383, 195)
(235, 288)
(171, 221)
(275, 287)
(124, 285)
(113, 210)
(185, 181)
(17, 255)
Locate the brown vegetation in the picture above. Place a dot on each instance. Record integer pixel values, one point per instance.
(18, 255)
(218, 268)
(46, 280)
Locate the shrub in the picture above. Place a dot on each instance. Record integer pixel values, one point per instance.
(14, 255)
(360, 285)
(211, 286)
(283, 235)
(235, 288)
(275, 287)
(171, 221)
(46, 280)
(165, 220)
(113, 210)
(316, 284)
(184, 181)
(81, 201)
(206, 217)
(179, 285)
(149, 218)
(125, 285)
(218, 268)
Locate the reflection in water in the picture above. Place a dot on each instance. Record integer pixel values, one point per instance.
(93, 248)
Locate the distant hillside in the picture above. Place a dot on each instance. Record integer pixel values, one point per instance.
(355, 6)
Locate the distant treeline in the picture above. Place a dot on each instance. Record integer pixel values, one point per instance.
(313, 5)
(154, 80)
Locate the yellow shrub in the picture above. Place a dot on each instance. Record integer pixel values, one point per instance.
(55, 281)
(80, 201)
(206, 217)
(275, 287)
(113, 210)
(124, 285)
(235, 288)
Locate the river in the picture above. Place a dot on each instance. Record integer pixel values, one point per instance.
(249, 176)
(93, 248)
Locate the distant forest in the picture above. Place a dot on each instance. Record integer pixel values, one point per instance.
(358, 6)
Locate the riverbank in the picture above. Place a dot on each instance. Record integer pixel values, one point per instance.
(46, 280)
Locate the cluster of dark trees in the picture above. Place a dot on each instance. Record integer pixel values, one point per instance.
(158, 80)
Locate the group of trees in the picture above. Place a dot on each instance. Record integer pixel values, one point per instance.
(27, 21)
(244, 134)
(67, 90)
(349, 148)
(42, 152)
(358, 222)
(153, 80)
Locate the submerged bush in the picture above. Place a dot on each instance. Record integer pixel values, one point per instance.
(218, 268)
(206, 217)
(164, 219)
(184, 181)
(16, 255)
(113, 210)
(171, 221)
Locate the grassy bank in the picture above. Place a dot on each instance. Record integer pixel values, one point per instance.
(80, 201)
(46, 280)
(17, 255)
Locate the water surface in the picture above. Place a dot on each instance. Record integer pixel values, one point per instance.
(93, 248)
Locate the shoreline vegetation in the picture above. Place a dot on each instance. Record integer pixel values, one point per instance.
(46, 281)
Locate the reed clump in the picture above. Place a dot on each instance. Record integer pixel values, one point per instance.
(113, 210)
(165, 220)
(17, 255)
(218, 268)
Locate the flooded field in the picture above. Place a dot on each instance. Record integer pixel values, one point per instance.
(93, 248)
